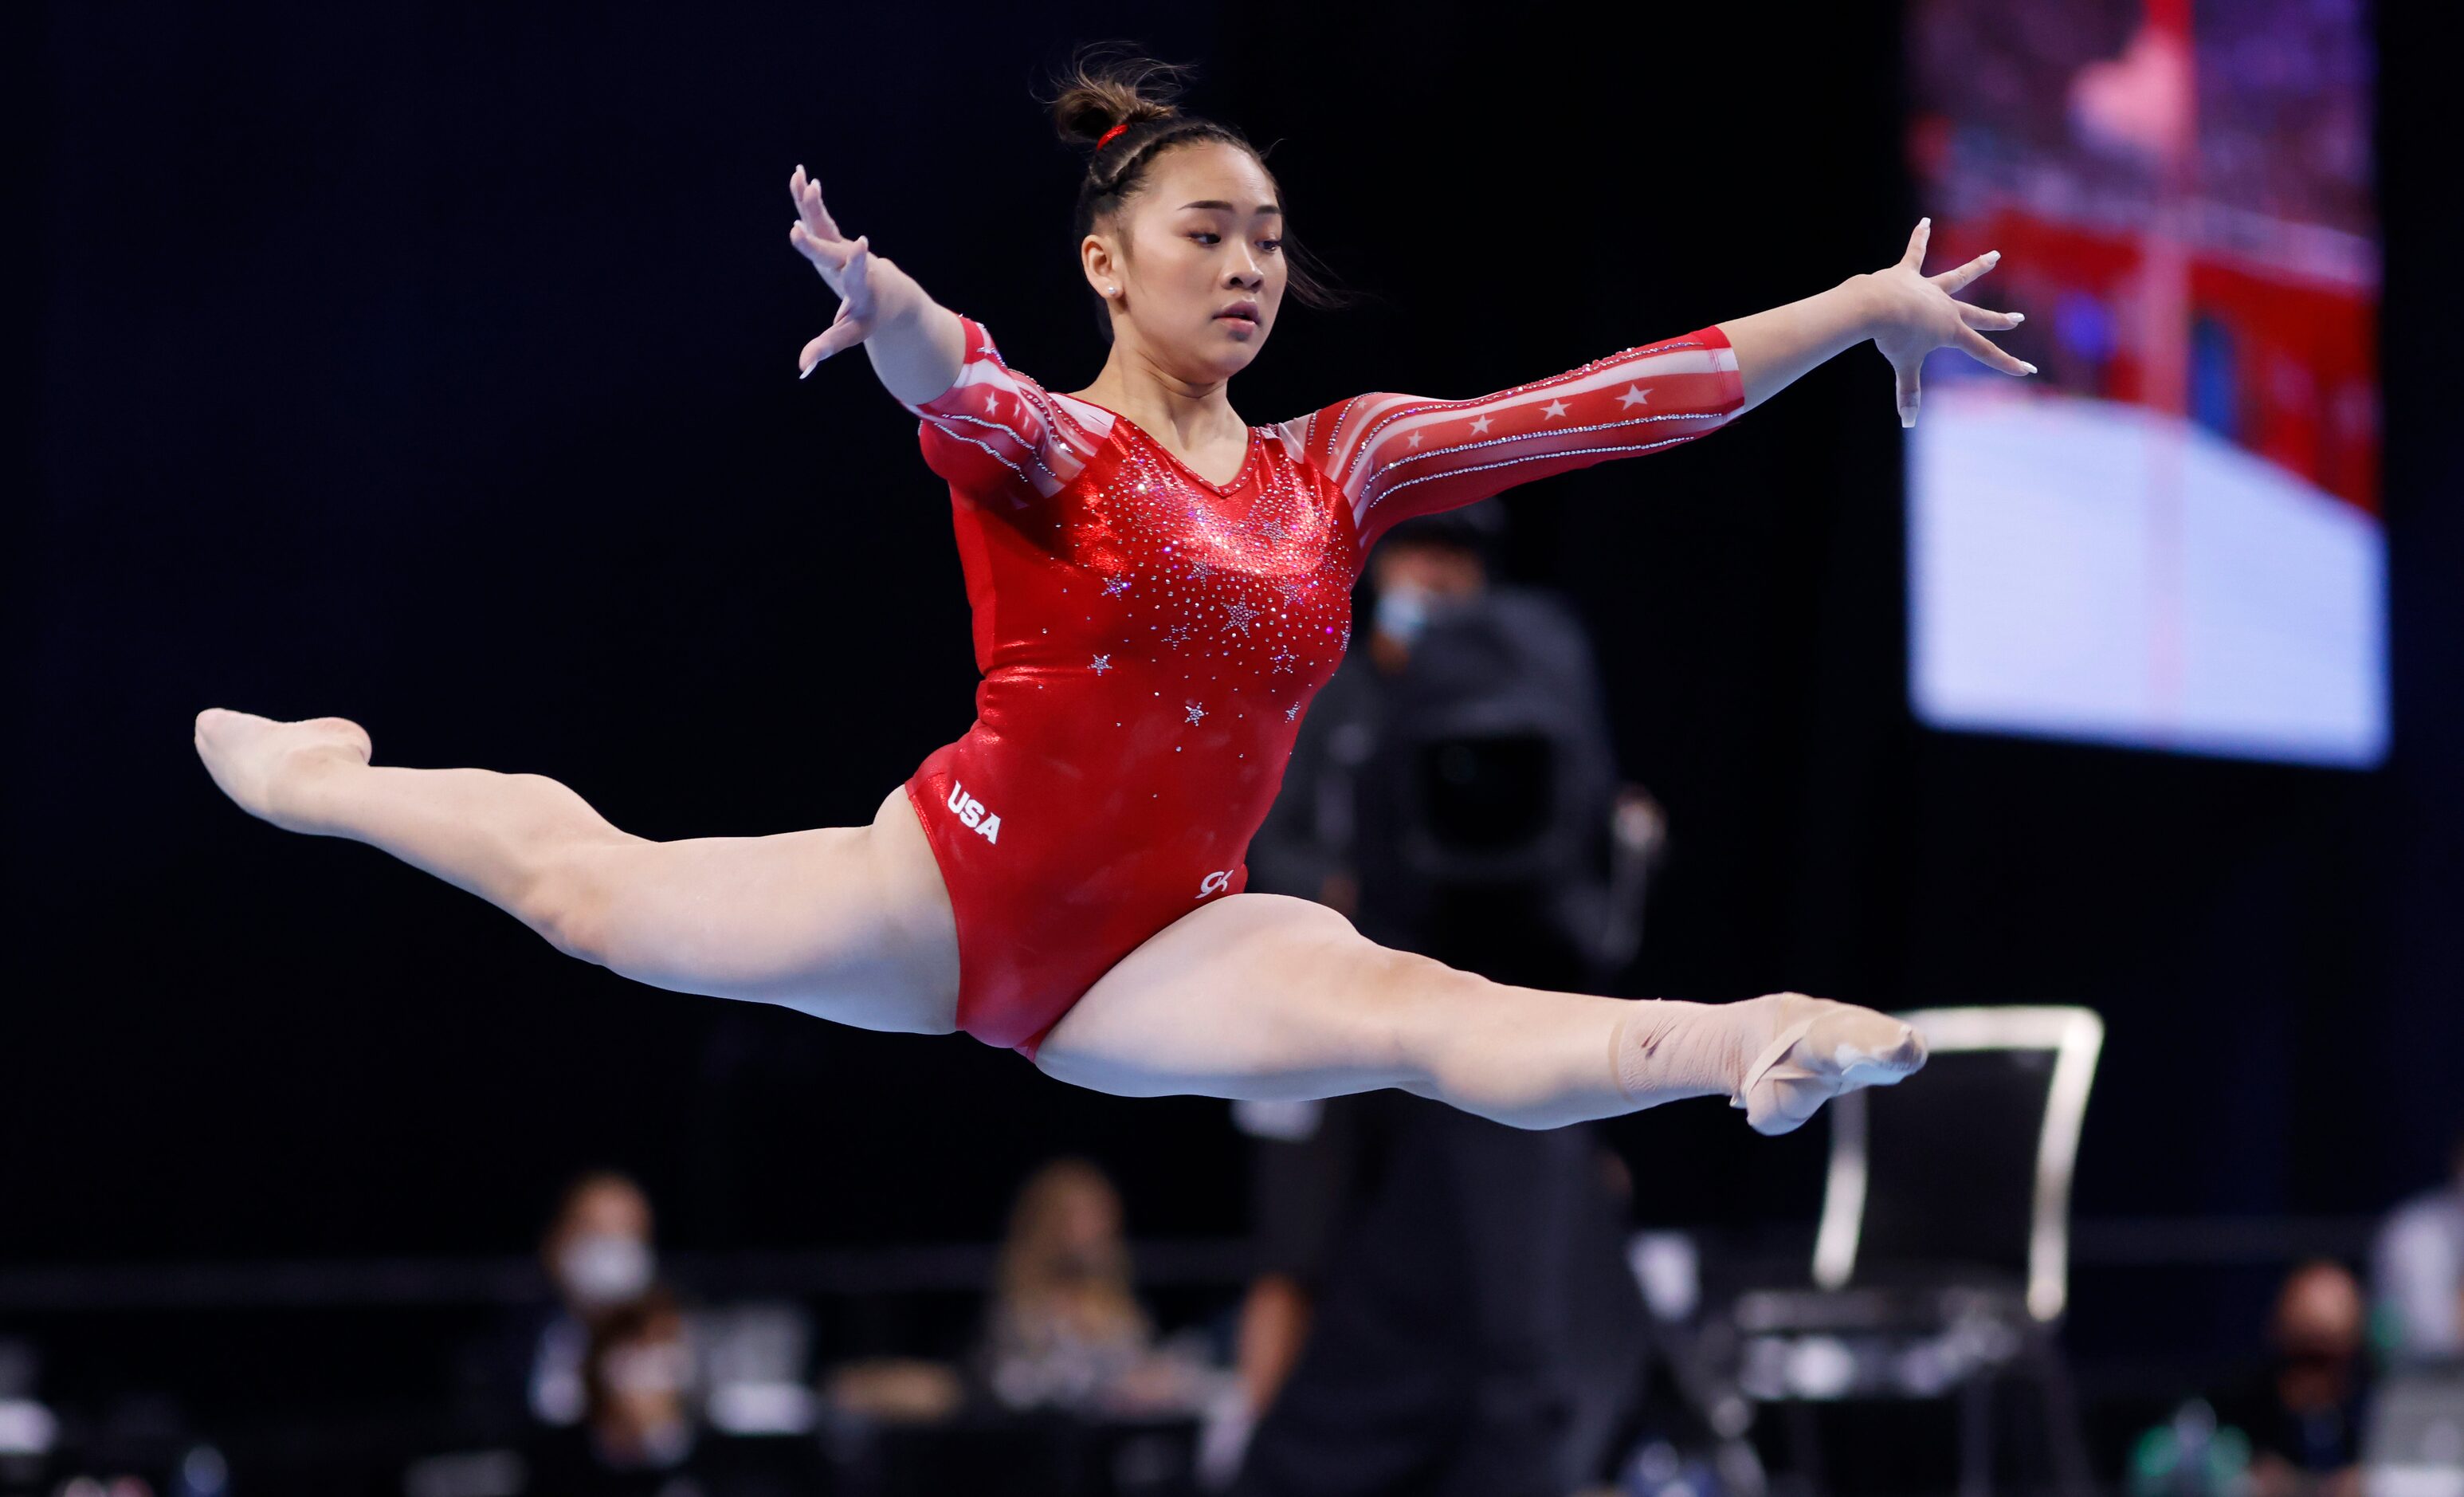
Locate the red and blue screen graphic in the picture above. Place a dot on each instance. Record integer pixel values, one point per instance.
(2168, 538)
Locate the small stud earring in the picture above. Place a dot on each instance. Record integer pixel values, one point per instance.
(1112, 291)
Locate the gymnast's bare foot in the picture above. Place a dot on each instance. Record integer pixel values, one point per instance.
(266, 765)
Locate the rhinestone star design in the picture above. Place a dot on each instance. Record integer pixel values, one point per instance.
(1271, 527)
(1201, 571)
(1291, 711)
(1239, 615)
(1177, 637)
(1346, 636)
(1294, 592)
(1115, 586)
(1195, 713)
(1103, 663)
(1283, 659)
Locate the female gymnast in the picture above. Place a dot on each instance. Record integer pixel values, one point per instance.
(1158, 588)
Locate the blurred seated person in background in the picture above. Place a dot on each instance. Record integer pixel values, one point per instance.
(598, 1255)
(528, 1369)
(2418, 1269)
(639, 1424)
(1066, 1329)
(2302, 1412)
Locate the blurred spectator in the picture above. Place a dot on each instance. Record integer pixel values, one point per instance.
(1443, 1302)
(1066, 1329)
(639, 1426)
(1307, 847)
(1453, 788)
(599, 1254)
(528, 1369)
(2302, 1412)
(2418, 1267)
(1453, 1315)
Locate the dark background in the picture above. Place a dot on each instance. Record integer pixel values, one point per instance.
(434, 365)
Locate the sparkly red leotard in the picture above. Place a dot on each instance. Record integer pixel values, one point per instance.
(1148, 639)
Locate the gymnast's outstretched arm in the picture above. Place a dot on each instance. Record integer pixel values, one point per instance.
(917, 344)
(995, 434)
(1906, 314)
(1396, 457)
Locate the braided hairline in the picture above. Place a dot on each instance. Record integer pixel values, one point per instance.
(1175, 128)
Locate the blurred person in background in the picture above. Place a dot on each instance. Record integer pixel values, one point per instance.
(2417, 1270)
(1445, 1309)
(599, 1255)
(1064, 1327)
(1576, 924)
(1442, 1302)
(2303, 1411)
(639, 1427)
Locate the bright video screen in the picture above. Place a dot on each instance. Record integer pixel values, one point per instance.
(2169, 538)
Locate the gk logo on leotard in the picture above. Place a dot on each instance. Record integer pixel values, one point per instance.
(972, 812)
(1213, 883)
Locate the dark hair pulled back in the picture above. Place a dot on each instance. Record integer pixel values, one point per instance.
(1109, 83)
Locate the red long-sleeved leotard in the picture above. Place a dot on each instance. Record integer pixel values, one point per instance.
(1148, 639)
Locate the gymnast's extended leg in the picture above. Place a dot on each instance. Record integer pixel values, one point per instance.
(848, 923)
(1262, 995)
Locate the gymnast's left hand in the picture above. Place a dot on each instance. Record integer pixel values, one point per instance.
(1915, 314)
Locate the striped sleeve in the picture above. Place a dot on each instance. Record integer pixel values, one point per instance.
(996, 432)
(1396, 457)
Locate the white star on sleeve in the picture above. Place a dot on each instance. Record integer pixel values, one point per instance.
(1415, 439)
(1482, 424)
(1553, 409)
(1632, 397)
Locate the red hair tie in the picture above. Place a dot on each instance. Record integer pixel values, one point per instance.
(1109, 134)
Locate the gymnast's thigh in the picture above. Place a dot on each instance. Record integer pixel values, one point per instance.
(847, 923)
(1250, 996)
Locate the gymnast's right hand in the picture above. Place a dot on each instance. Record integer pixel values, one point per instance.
(846, 264)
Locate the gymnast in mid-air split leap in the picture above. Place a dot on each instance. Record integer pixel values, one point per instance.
(1158, 589)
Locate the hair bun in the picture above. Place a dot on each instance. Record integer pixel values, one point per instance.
(1112, 83)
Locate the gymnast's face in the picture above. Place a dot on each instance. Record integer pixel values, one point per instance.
(1203, 237)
